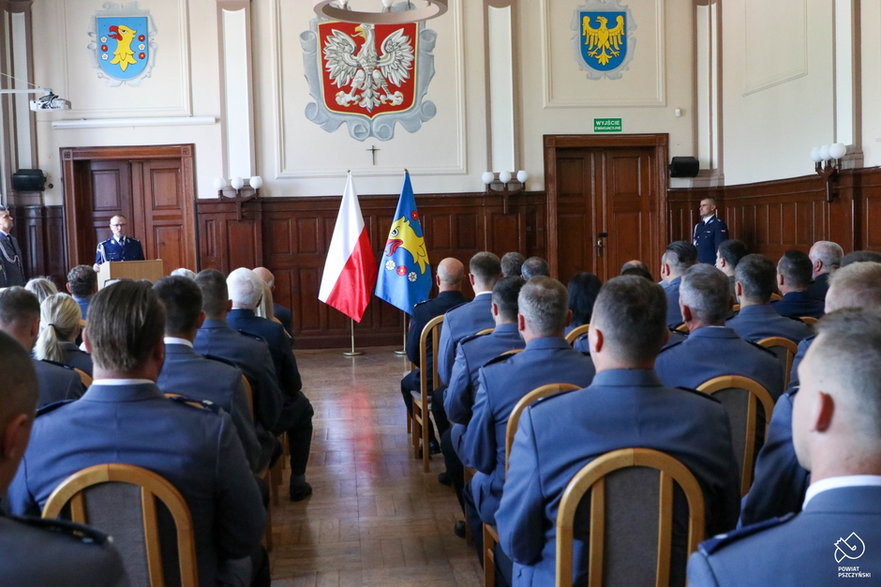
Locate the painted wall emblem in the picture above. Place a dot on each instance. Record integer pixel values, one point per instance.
(604, 41)
(369, 76)
(123, 43)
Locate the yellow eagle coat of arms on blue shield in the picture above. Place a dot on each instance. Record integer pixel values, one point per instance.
(123, 43)
(604, 38)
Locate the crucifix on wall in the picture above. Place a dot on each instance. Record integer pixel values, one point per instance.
(373, 151)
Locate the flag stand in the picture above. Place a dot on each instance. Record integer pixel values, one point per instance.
(403, 351)
(353, 352)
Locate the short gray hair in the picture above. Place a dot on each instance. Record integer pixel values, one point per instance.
(544, 304)
(706, 291)
(828, 252)
(679, 255)
(857, 285)
(245, 288)
(757, 276)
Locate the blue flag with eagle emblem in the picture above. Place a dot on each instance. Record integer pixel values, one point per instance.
(404, 272)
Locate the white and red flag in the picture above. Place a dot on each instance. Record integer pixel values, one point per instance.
(350, 268)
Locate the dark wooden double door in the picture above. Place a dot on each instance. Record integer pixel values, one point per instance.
(605, 204)
(152, 190)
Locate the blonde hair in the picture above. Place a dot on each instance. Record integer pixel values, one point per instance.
(265, 308)
(59, 322)
(41, 287)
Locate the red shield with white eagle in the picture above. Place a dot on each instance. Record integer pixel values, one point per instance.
(368, 70)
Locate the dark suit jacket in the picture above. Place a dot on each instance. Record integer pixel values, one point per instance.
(284, 316)
(819, 286)
(56, 383)
(55, 553)
(779, 482)
(621, 409)
(798, 304)
(671, 290)
(501, 384)
(423, 312)
(754, 323)
(807, 549)
(74, 357)
(185, 373)
(11, 262)
(460, 322)
(195, 449)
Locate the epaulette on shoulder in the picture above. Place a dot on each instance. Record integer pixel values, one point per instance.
(671, 345)
(53, 406)
(252, 336)
(499, 359)
(767, 350)
(221, 360)
(202, 404)
(84, 534)
(698, 393)
(57, 364)
(720, 541)
(542, 400)
(471, 337)
(423, 302)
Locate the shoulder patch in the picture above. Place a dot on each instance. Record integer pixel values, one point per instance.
(84, 534)
(202, 404)
(53, 406)
(720, 541)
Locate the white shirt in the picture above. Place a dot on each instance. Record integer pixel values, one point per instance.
(839, 482)
(176, 340)
(122, 381)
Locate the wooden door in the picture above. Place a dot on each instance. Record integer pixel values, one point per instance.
(604, 204)
(152, 186)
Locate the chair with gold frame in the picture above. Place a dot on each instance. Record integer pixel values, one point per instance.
(785, 350)
(421, 410)
(577, 333)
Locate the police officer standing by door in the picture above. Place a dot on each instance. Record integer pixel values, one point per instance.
(709, 232)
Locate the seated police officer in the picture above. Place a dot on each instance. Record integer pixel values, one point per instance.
(837, 437)
(41, 552)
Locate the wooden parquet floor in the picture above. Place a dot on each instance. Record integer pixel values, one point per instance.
(375, 518)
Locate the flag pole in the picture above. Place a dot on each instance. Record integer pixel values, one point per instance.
(353, 352)
(403, 351)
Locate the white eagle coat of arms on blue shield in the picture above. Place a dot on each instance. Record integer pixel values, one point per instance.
(123, 44)
(604, 40)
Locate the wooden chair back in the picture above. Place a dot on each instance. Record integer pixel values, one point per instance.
(534, 395)
(72, 494)
(785, 350)
(577, 333)
(249, 393)
(421, 403)
(592, 477)
(484, 331)
(748, 435)
(85, 378)
(809, 320)
(681, 328)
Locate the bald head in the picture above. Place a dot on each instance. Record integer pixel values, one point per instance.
(266, 275)
(450, 273)
(856, 286)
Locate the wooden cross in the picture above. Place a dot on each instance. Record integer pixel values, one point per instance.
(373, 151)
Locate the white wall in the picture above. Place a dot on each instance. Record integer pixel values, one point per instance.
(870, 20)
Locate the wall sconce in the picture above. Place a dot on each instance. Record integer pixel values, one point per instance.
(827, 164)
(235, 189)
(504, 182)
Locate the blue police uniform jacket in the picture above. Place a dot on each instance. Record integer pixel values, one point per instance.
(282, 357)
(56, 383)
(707, 238)
(74, 357)
(671, 290)
(716, 350)
(779, 481)
(423, 312)
(56, 553)
(798, 304)
(472, 354)
(195, 449)
(460, 322)
(185, 373)
(11, 262)
(500, 386)
(250, 354)
(111, 250)
(819, 286)
(754, 323)
(622, 408)
(823, 545)
(803, 347)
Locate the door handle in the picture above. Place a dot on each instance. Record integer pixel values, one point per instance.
(600, 245)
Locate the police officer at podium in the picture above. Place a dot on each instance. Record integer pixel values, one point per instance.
(118, 247)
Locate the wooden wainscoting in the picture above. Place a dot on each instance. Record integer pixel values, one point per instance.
(291, 237)
(40, 233)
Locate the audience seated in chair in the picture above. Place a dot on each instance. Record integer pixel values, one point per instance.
(41, 552)
(283, 313)
(583, 289)
(82, 283)
(780, 482)
(41, 287)
(125, 418)
(825, 259)
(512, 264)
(625, 406)
(712, 349)
(543, 312)
(20, 318)
(837, 436)
(728, 256)
(679, 256)
(60, 326)
(534, 266)
(793, 279)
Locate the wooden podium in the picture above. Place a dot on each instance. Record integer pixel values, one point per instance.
(150, 270)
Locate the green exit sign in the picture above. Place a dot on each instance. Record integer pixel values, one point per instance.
(606, 125)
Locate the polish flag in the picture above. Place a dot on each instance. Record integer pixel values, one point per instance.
(350, 268)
